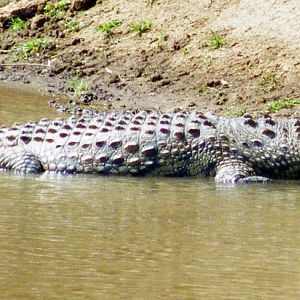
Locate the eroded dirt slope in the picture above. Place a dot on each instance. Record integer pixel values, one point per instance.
(228, 56)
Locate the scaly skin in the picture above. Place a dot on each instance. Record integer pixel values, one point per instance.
(149, 142)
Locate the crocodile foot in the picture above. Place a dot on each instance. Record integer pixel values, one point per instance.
(238, 174)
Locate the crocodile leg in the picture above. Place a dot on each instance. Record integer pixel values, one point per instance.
(235, 171)
(19, 160)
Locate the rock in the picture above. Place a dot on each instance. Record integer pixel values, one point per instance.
(115, 79)
(86, 98)
(156, 77)
(82, 4)
(24, 9)
(37, 22)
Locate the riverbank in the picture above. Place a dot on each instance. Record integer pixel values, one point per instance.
(226, 56)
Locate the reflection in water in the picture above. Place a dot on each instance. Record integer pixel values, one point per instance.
(89, 237)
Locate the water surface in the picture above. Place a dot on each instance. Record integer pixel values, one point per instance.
(90, 237)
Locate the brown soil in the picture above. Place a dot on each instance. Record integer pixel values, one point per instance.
(170, 65)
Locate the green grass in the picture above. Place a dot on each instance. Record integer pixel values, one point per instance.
(141, 27)
(49, 10)
(204, 90)
(73, 26)
(16, 24)
(279, 104)
(25, 50)
(268, 81)
(108, 27)
(79, 85)
(52, 10)
(239, 110)
(216, 41)
(62, 5)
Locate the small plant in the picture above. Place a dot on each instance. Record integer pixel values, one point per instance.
(108, 27)
(185, 51)
(62, 5)
(141, 27)
(25, 50)
(268, 81)
(203, 90)
(208, 61)
(74, 26)
(279, 104)
(56, 9)
(216, 41)
(49, 10)
(79, 85)
(16, 24)
(239, 110)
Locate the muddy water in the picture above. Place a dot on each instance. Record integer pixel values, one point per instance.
(89, 237)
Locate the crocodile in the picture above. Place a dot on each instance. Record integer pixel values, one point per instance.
(233, 150)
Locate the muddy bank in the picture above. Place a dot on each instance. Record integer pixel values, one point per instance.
(226, 56)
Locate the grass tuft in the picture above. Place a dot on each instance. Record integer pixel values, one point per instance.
(268, 82)
(279, 104)
(216, 41)
(52, 10)
(73, 26)
(79, 85)
(24, 50)
(141, 27)
(108, 27)
(239, 110)
(16, 24)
